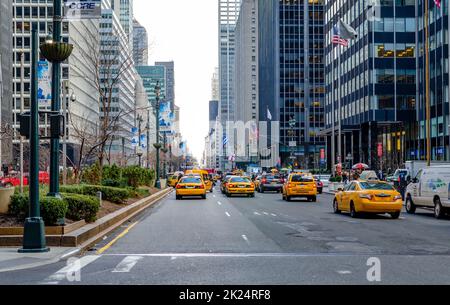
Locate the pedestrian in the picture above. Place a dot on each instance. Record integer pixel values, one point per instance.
(344, 177)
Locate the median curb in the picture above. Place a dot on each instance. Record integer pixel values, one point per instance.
(88, 233)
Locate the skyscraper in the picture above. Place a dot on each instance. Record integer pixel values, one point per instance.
(140, 44)
(124, 11)
(246, 76)
(79, 70)
(291, 78)
(228, 15)
(371, 84)
(170, 80)
(6, 73)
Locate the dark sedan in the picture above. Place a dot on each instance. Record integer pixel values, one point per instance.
(271, 183)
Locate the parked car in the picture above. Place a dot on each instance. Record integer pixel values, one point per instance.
(271, 182)
(14, 180)
(325, 179)
(430, 188)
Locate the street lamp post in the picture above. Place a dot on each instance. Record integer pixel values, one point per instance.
(56, 52)
(139, 151)
(157, 144)
(34, 230)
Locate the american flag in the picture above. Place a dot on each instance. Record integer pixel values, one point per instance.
(336, 39)
(438, 3)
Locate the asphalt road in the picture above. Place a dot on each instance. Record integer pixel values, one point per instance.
(261, 240)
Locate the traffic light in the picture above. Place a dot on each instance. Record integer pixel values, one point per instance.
(24, 121)
(57, 126)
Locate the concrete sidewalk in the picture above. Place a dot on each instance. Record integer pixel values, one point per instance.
(11, 260)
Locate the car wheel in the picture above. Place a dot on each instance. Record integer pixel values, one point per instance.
(438, 210)
(353, 212)
(288, 198)
(211, 190)
(336, 207)
(261, 190)
(178, 197)
(228, 194)
(410, 206)
(252, 195)
(314, 199)
(203, 197)
(395, 215)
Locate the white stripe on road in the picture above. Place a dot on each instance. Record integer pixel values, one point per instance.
(228, 214)
(256, 213)
(274, 215)
(219, 203)
(344, 272)
(245, 238)
(74, 267)
(214, 196)
(127, 264)
(265, 213)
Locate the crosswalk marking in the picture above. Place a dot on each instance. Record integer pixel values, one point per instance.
(127, 264)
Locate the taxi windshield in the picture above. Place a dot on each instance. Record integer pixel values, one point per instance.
(376, 186)
(191, 180)
(302, 178)
(239, 179)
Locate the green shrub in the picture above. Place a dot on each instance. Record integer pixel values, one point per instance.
(136, 176)
(115, 183)
(52, 209)
(91, 175)
(113, 194)
(112, 172)
(19, 206)
(82, 207)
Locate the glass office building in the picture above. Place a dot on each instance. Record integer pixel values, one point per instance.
(292, 79)
(371, 84)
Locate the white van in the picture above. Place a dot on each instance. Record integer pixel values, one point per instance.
(430, 188)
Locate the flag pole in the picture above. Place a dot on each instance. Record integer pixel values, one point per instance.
(333, 116)
(427, 87)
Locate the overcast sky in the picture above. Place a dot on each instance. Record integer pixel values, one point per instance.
(185, 32)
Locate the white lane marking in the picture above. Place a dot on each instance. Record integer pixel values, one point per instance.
(344, 272)
(127, 264)
(219, 203)
(214, 196)
(245, 238)
(274, 215)
(256, 213)
(228, 214)
(74, 267)
(190, 255)
(265, 213)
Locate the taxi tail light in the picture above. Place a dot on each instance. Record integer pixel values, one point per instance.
(398, 197)
(179, 186)
(264, 181)
(201, 186)
(291, 185)
(366, 196)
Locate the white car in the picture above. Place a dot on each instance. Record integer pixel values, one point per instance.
(430, 189)
(325, 179)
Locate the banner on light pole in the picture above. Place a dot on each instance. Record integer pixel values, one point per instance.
(82, 9)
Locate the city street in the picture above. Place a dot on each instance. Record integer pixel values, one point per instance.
(261, 240)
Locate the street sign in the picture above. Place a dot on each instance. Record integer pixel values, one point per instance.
(80, 10)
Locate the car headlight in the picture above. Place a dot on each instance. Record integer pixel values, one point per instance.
(398, 197)
(366, 196)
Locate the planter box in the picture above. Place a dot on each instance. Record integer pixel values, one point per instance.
(334, 186)
(5, 199)
(61, 230)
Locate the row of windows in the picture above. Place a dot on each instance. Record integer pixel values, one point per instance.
(399, 50)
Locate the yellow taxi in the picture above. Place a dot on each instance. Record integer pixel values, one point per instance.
(375, 197)
(190, 186)
(240, 186)
(205, 176)
(172, 180)
(300, 185)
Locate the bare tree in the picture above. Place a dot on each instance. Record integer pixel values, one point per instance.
(111, 61)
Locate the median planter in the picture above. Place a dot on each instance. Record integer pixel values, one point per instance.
(5, 199)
